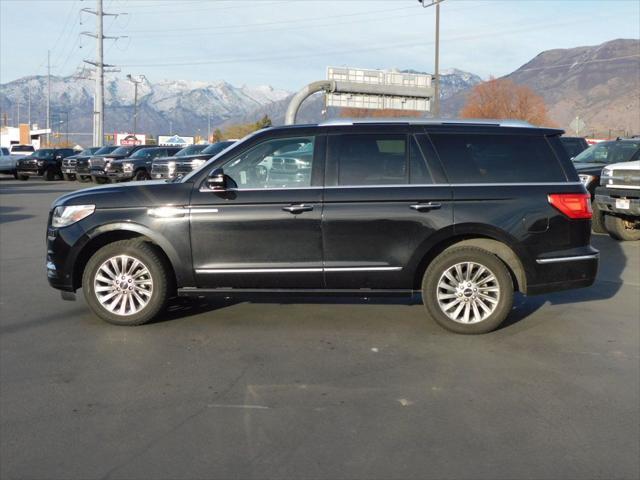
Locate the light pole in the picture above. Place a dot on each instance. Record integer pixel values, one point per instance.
(436, 73)
(135, 80)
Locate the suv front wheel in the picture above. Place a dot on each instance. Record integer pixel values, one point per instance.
(467, 290)
(126, 283)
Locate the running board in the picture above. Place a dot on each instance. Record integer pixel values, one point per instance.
(299, 292)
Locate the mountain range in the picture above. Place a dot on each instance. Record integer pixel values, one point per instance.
(600, 84)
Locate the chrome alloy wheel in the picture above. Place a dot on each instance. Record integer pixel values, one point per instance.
(123, 285)
(468, 292)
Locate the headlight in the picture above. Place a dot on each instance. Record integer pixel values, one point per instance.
(197, 163)
(65, 216)
(605, 176)
(586, 179)
(40, 162)
(171, 166)
(127, 167)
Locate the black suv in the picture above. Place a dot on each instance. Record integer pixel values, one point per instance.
(136, 166)
(464, 212)
(83, 163)
(45, 162)
(69, 163)
(186, 160)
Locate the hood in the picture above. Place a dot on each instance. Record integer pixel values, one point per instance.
(589, 167)
(635, 165)
(129, 195)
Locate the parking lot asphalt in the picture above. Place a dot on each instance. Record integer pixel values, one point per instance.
(319, 389)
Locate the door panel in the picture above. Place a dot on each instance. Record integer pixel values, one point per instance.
(250, 237)
(371, 232)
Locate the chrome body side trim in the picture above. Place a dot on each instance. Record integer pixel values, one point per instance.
(296, 270)
(567, 259)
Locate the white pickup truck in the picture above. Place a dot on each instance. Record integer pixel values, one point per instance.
(9, 157)
(618, 198)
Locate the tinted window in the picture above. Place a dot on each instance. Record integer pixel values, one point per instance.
(44, 153)
(105, 150)
(5, 151)
(609, 152)
(22, 148)
(476, 158)
(191, 150)
(277, 163)
(573, 146)
(370, 159)
(216, 148)
(123, 150)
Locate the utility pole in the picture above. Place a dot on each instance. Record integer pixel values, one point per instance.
(98, 102)
(135, 80)
(208, 127)
(29, 108)
(436, 73)
(48, 95)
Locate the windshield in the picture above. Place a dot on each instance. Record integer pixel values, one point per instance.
(608, 152)
(143, 152)
(122, 151)
(43, 153)
(216, 148)
(105, 150)
(191, 150)
(22, 148)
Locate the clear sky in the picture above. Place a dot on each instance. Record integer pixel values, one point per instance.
(288, 43)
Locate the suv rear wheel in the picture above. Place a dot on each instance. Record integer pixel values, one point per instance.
(126, 283)
(467, 290)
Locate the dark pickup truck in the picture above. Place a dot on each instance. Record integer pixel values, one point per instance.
(44, 162)
(136, 166)
(186, 160)
(69, 163)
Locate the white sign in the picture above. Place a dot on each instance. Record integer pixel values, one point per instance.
(175, 140)
(380, 79)
(130, 139)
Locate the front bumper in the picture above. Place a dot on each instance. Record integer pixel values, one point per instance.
(618, 200)
(31, 172)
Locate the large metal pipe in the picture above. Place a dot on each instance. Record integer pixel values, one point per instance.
(298, 98)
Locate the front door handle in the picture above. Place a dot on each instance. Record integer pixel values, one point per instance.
(298, 208)
(425, 207)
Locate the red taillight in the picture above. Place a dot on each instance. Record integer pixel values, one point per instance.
(573, 205)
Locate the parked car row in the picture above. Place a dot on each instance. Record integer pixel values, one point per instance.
(112, 164)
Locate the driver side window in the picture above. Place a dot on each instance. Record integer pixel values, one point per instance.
(276, 163)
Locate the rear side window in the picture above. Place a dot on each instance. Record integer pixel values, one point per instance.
(477, 158)
(370, 159)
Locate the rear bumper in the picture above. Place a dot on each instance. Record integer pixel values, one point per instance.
(575, 268)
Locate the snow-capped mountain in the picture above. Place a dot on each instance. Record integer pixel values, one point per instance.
(177, 105)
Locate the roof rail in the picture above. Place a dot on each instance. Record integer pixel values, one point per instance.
(425, 121)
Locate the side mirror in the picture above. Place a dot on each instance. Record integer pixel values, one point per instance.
(217, 180)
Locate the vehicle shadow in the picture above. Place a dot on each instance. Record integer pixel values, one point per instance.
(7, 214)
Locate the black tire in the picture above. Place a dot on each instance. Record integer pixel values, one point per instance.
(141, 175)
(620, 229)
(68, 177)
(99, 180)
(24, 178)
(156, 266)
(83, 178)
(461, 255)
(49, 175)
(15, 174)
(597, 220)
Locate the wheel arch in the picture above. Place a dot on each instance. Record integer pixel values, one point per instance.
(106, 234)
(497, 244)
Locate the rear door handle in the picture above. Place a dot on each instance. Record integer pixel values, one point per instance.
(425, 207)
(298, 208)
